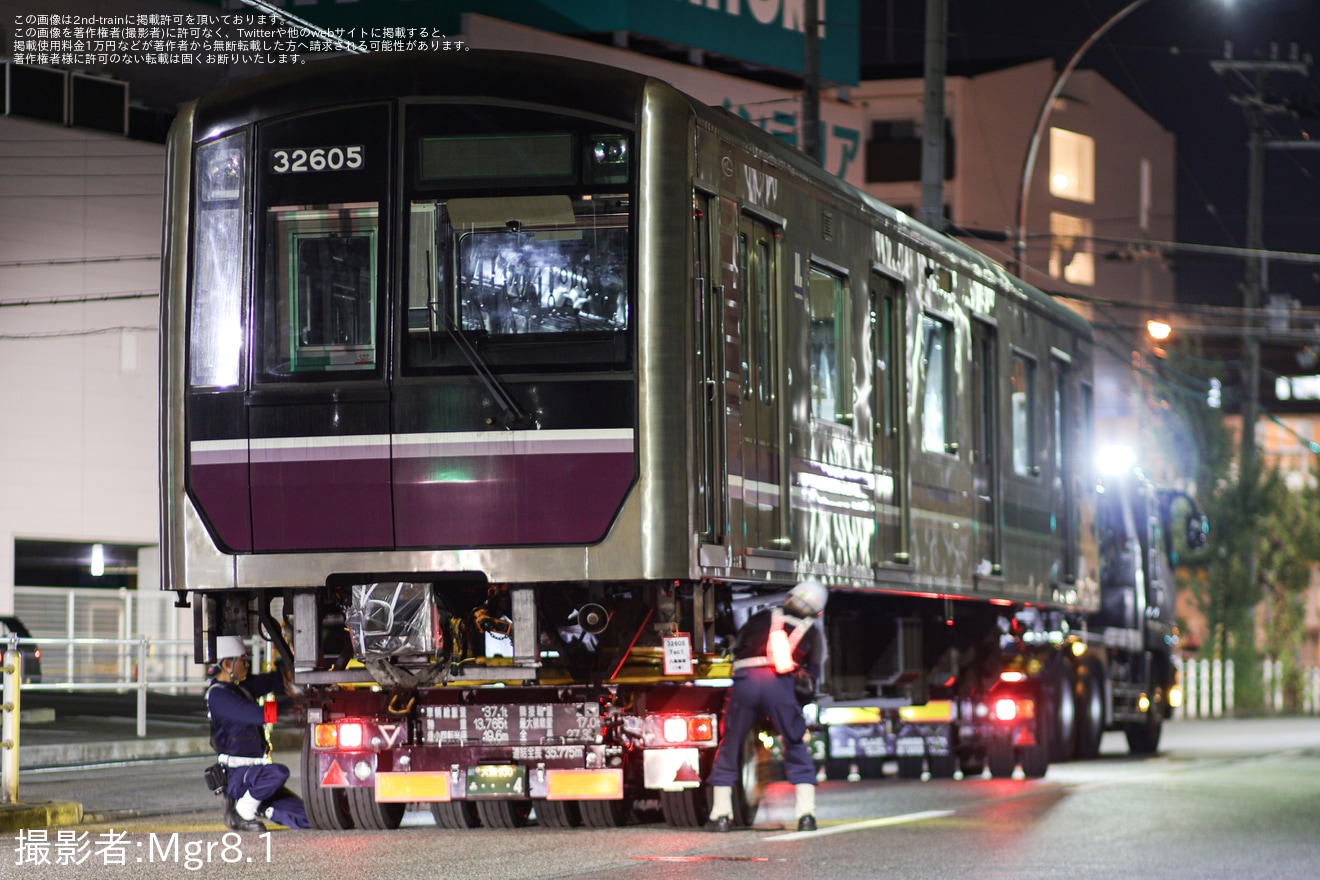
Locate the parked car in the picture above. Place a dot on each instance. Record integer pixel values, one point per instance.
(31, 653)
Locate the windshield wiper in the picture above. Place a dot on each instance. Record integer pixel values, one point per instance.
(514, 417)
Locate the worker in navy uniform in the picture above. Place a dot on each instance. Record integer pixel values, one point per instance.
(254, 784)
(773, 648)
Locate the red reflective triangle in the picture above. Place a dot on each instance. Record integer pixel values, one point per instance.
(334, 776)
(686, 773)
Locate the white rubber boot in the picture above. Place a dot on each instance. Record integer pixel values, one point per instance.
(805, 803)
(247, 806)
(721, 807)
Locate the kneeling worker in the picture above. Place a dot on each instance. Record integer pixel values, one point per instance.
(772, 649)
(254, 785)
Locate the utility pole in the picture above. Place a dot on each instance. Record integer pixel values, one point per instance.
(811, 82)
(1258, 105)
(932, 124)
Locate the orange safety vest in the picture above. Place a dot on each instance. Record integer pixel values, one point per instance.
(779, 646)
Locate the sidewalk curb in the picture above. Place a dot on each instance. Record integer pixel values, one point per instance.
(15, 817)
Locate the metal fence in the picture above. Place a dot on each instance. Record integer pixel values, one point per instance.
(89, 636)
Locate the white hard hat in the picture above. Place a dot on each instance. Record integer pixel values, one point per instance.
(229, 646)
(807, 598)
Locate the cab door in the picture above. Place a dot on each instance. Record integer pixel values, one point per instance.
(318, 410)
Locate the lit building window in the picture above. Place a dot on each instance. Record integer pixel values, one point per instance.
(1072, 166)
(1072, 251)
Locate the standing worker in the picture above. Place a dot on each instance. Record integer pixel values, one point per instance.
(254, 785)
(775, 647)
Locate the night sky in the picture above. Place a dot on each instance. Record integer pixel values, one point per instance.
(1159, 56)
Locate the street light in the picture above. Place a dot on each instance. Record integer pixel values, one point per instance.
(1029, 165)
(1158, 330)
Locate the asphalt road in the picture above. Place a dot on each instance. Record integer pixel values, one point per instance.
(1231, 799)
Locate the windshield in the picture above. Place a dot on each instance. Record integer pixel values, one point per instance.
(514, 282)
(536, 269)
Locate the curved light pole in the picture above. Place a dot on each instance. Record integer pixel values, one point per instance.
(1028, 166)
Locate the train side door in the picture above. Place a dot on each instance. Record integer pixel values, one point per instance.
(708, 320)
(891, 488)
(985, 446)
(752, 298)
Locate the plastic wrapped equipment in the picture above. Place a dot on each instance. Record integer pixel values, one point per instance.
(393, 619)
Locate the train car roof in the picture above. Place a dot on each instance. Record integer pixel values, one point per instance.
(989, 271)
(546, 79)
(535, 79)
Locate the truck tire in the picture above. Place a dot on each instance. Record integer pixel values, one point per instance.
(837, 769)
(756, 769)
(1035, 759)
(1090, 712)
(999, 756)
(688, 808)
(1062, 687)
(327, 808)
(370, 815)
(1143, 737)
(504, 814)
(604, 814)
(455, 815)
(558, 814)
(870, 768)
(909, 766)
(942, 766)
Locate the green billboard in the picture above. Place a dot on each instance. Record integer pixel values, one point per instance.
(766, 33)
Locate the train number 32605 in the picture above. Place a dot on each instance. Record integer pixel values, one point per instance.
(318, 159)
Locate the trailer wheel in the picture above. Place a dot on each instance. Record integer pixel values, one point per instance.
(1090, 711)
(558, 814)
(999, 756)
(1063, 699)
(369, 814)
(942, 766)
(1035, 759)
(1144, 736)
(327, 808)
(604, 814)
(455, 815)
(838, 769)
(688, 808)
(756, 773)
(972, 766)
(504, 814)
(909, 766)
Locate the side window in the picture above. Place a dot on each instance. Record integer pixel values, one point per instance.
(1022, 393)
(762, 275)
(831, 355)
(322, 264)
(216, 340)
(937, 428)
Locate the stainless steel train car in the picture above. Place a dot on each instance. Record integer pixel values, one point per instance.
(583, 369)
